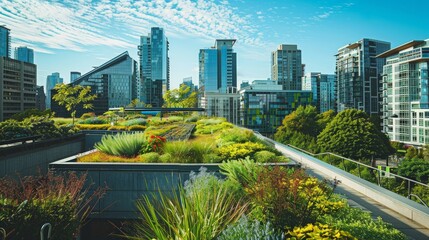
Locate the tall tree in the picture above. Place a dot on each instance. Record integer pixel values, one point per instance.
(181, 97)
(72, 97)
(352, 134)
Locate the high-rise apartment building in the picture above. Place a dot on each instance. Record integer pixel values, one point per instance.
(323, 88)
(287, 67)
(40, 98)
(154, 67)
(358, 72)
(218, 67)
(406, 93)
(24, 54)
(113, 82)
(17, 87)
(51, 81)
(74, 76)
(4, 41)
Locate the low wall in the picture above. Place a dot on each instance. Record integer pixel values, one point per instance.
(398, 203)
(32, 158)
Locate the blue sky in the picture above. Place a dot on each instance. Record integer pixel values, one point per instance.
(75, 35)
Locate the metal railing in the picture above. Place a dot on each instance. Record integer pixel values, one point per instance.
(378, 176)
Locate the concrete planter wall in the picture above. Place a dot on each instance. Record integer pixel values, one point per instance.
(127, 182)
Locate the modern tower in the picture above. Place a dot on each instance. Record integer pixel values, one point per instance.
(4, 41)
(358, 73)
(24, 54)
(218, 67)
(287, 67)
(323, 88)
(406, 93)
(51, 81)
(74, 76)
(154, 67)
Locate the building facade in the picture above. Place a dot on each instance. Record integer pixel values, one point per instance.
(226, 105)
(51, 81)
(323, 88)
(4, 41)
(154, 67)
(406, 93)
(17, 87)
(24, 54)
(40, 98)
(113, 83)
(264, 105)
(358, 72)
(287, 67)
(74, 76)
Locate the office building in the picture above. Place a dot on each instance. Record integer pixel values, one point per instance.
(17, 87)
(218, 67)
(226, 105)
(264, 104)
(113, 82)
(40, 98)
(74, 76)
(24, 54)
(4, 41)
(287, 67)
(188, 82)
(358, 72)
(405, 93)
(323, 88)
(154, 67)
(51, 81)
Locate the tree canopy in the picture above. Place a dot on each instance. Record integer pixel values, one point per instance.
(352, 134)
(182, 97)
(73, 96)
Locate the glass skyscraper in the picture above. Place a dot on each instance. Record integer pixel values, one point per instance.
(154, 67)
(286, 66)
(406, 93)
(4, 41)
(24, 54)
(358, 72)
(51, 81)
(323, 88)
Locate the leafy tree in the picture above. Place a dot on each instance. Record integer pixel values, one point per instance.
(353, 135)
(325, 118)
(73, 96)
(417, 169)
(181, 97)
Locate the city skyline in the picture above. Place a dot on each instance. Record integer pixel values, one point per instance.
(68, 36)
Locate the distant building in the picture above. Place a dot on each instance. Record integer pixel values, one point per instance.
(40, 98)
(287, 67)
(51, 81)
(24, 54)
(358, 72)
(17, 87)
(264, 105)
(405, 92)
(323, 88)
(74, 76)
(226, 105)
(188, 82)
(4, 41)
(113, 82)
(218, 67)
(154, 67)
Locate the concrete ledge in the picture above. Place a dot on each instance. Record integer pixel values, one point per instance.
(396, 202)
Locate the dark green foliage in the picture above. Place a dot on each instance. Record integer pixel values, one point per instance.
(417, 169)
(87, 115)
(32, 112)
(11, 129)
(351, 134)
(94, 120)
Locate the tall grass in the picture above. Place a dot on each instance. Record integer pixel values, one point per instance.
(124, 144)
(195, 212)
(187, 152)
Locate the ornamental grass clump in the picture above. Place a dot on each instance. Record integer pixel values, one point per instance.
(187, 152)
(124, 144)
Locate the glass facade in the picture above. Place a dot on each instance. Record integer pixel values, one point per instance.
(208, 72)
(74, 76)
(154, 67)
(51, 81)
(406, 94)
(286, 67)
(4, 42)
(358, 72)
(323, 88)
(24, 54)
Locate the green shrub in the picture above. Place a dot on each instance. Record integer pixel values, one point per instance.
(137, 128)
(240, 150)
(318, 231)
(151, 157)
(94, 120)
(235, 135)
(211, 158)
(11, 129)
(117, 128)
(193, 118)
(165, 158)
(186, 152)
(135, 121)
(212, 125)
(241, 172)
(87, 115)
(42, 125)
(32, 112)
(93, 126)
(124, 144)
(265, 156)
(246, 229)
